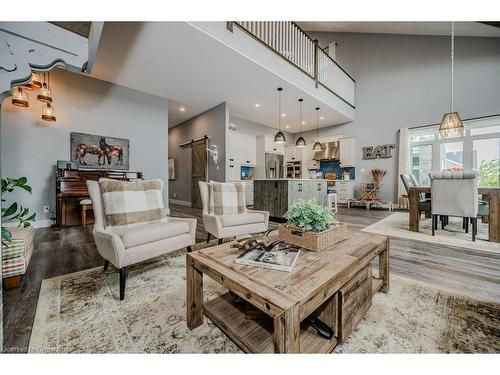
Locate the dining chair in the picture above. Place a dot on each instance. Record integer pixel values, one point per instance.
(409, 181)
(454, 194)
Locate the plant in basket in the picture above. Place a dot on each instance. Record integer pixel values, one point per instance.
(309, 215)
(311, 226)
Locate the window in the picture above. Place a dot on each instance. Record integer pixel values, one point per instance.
(452, 156)
(485, 156)
(479, 150)
(421, 163)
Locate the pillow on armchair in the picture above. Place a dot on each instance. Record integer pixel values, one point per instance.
(226, 198)
(126, 203)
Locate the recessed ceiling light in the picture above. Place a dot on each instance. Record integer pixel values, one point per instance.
(283, 115)
(303, 122)
(287, 126)
(257, 105)
(321, 118)
(182, 109)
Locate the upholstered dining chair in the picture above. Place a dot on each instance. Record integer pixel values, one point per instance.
(230, 225)
(129, 245)
(454, 194)
(424, 204)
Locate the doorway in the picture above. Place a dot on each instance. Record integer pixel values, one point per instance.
(198, 170)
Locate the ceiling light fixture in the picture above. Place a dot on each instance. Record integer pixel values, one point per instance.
(317, 145)
(45, 96)
(279, 137)
(182, 109)
(283, 115)
(34, 83)
(451, 124)
(301, 142)
(20, 97)
(48, 113)
(321, 118)
(257, 105)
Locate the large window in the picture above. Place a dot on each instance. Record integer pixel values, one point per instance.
(478, 150)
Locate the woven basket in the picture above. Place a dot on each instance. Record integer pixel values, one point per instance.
(315, 241)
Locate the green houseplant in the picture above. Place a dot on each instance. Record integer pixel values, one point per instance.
(309, 215)
(15, 212)
(311, 226)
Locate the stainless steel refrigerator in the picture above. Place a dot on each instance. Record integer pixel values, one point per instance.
(274, 166)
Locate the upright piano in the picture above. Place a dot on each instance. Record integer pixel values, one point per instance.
(71, 188)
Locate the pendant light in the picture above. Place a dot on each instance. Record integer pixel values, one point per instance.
(301, 142)
(317, 145)
(20, 97)
(35, 82)
(48, 113)
(45, 96)
(451, 124)
(279, 137)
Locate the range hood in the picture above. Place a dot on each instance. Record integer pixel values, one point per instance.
(331, 151)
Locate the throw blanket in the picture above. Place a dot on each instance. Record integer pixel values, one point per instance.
(129, 203)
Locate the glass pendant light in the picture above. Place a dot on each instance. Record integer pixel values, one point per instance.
(317, 145)
(34, 84)
(301, 142)
(48, 113)
(279, 137)
(20, 97)
(451, 124)
(45, 96)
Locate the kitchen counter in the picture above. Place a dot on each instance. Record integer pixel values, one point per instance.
(278, 195)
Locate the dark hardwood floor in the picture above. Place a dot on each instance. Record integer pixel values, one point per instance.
(462, 271)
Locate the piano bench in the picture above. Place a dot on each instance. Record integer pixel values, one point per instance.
(86, 204)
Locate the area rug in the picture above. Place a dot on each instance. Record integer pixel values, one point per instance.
(81, 313)
(396, 225)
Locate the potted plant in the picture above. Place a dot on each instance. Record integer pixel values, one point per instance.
(311, 226)
(15, 212)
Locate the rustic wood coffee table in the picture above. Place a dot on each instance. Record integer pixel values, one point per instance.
(336, 285)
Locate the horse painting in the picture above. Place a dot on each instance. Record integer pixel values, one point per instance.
(99, 151)
(111, 150)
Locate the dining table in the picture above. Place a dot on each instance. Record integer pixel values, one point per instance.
(489, 195)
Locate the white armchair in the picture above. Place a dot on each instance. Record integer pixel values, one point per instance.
(224, 226)
(123, 247)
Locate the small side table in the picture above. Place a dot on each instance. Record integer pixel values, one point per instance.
(86, 204)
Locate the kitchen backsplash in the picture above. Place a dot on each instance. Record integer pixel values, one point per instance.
(333, 166)
(247, 173)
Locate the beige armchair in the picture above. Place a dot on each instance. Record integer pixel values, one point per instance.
(224, 226)
(123, 247)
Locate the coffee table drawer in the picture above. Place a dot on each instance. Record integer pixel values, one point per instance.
(355, 298)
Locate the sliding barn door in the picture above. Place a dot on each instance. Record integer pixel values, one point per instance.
(198, 171)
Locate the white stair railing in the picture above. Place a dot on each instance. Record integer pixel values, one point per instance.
(288, 40)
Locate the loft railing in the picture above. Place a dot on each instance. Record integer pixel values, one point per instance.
(288, 40)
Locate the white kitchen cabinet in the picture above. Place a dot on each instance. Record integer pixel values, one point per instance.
(347, 152)
(293, 153)
(345, 190)
(246, 149)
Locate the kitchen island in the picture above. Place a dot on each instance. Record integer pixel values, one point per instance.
(278, 195)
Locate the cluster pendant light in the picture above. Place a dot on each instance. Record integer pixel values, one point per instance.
(20, 96)
(301, 142)
(317, 145)
(279, 137)
(451, 124)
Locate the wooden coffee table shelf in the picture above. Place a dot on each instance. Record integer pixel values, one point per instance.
(331, 284)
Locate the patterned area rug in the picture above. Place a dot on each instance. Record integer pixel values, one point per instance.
(81, 313)
(396, 225)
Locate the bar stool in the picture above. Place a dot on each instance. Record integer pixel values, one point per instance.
(86, 204)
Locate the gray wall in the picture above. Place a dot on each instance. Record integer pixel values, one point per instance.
(30, 147)
(212, 123)
(404, 81)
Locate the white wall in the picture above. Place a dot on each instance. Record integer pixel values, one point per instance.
(404, 81)
(255, 129)
(30, 147)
